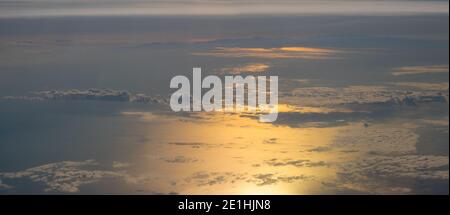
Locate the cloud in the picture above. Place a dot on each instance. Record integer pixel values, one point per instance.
(378, 139)
(90, 94)
(320, 149)
(320, 120)
(442, 86)
(424, 167)
(272, 53)
(4, 186)
(296, 163)
(180, 159)
(203, 178)
(120, 165)
(270, 179)
(270, 141)
(362, 94)
(68, 176)
(437, 122)
(193, 144)
(265, 179)
(414, 70)
(247, 68)
(365, 189)
(401, 174)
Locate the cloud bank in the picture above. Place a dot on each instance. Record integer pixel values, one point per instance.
(67, 176)
(90, 94)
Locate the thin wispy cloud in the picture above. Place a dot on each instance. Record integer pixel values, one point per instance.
(424, 85)
(272, 53)
(414, 70)
(247, 68)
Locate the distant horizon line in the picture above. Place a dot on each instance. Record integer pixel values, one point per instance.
(304, 8)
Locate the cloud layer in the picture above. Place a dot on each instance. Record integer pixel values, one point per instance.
(66, 176)
(90, 94)
(414, 70)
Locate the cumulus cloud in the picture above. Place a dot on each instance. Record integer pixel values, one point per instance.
(365, 94)
(296, 163)
(381, 139)
(413, 70)
(212, 178)
(194, 144)
(68, 176)
(270, 179)
(424, 167)
(380, 174)
(272, 53)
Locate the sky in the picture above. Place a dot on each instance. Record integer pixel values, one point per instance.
(363, 97)
(39, 8)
